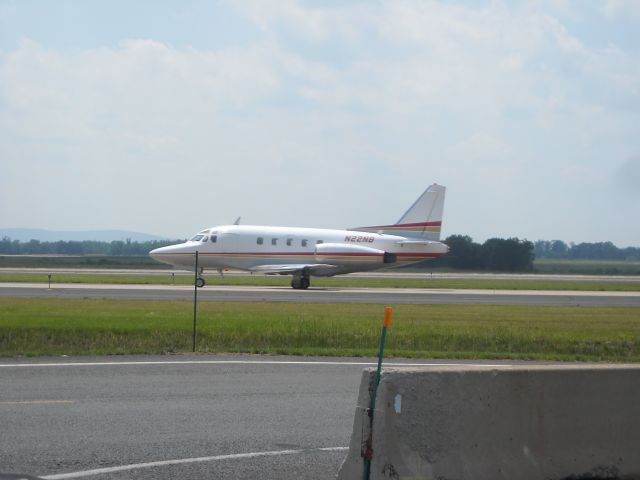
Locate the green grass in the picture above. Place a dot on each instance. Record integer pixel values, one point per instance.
(343, 282)
(587, 267)
(544, 265)
(79, 261)
(35, 327)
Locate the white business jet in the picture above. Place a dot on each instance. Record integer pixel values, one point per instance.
(303, 252)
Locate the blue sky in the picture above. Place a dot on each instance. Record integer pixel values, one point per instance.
(168, 117)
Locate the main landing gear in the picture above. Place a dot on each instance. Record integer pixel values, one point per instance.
(200, 282)
(300, 282)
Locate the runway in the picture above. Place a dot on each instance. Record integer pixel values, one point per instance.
(192, 416)
(379, 274)
(326, 295)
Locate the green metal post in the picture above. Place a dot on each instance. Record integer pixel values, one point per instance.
(368, 454)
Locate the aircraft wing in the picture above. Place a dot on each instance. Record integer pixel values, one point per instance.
(320, 269)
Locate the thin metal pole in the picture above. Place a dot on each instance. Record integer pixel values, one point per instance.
(195, 305)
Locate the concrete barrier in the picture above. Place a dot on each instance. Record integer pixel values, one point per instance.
(509, 422)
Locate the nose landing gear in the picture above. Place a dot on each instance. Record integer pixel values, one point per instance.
(200, 282)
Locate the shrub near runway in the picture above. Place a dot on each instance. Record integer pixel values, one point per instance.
(88, 327)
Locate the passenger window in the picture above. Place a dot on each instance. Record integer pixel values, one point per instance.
(289, 242)
(304, 243)
(214, 238)
(260, 240)
(274, 241)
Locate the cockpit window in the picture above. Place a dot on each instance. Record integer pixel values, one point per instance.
(214, 238)
(196, 238)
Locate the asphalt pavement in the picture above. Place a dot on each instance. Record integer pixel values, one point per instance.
(325, 294)
(168, 417)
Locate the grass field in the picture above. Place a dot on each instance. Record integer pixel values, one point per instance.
(85, 327)
(79, 261)
(544, 265)
(344, 282)
(586, 267)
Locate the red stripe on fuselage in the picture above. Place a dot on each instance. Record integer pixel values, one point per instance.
(311, 254)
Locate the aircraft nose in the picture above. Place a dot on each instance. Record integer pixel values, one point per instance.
(165, 254)
(156, 252)
(176, 255)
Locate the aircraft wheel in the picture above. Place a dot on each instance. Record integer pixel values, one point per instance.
(200, 282)
(300, 283)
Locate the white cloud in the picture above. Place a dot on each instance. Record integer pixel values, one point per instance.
(614, 8)
(345, 98)
(110, 123)
(627, 177)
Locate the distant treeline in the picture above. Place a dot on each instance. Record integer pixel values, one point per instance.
(86, 247)
(496, 254)
(559, 250)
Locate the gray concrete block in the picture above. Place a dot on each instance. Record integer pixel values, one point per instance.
(515, 422)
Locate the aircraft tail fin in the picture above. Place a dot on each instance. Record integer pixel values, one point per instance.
(422, 221)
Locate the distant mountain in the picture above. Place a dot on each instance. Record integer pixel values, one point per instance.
(26, 234)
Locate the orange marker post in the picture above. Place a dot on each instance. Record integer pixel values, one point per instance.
(388, 317)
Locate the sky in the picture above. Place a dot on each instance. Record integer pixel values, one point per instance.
(170, 117)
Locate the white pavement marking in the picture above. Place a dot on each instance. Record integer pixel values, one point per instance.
(37, 402)
(240, 362)
(236, 456)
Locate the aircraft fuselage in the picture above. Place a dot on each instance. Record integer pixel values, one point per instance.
(246, 247)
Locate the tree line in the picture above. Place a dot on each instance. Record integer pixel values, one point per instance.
(496, 254)
(557, 249)
(86, 247)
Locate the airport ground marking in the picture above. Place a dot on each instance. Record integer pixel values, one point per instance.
(37, 402)
(182, 461)
(242, 362)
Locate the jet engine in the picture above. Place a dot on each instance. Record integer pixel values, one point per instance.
(340, 253)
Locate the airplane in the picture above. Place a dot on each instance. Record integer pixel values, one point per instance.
(306, 252)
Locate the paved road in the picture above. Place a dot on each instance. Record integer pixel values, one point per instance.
(60, 418)
(326, 294)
